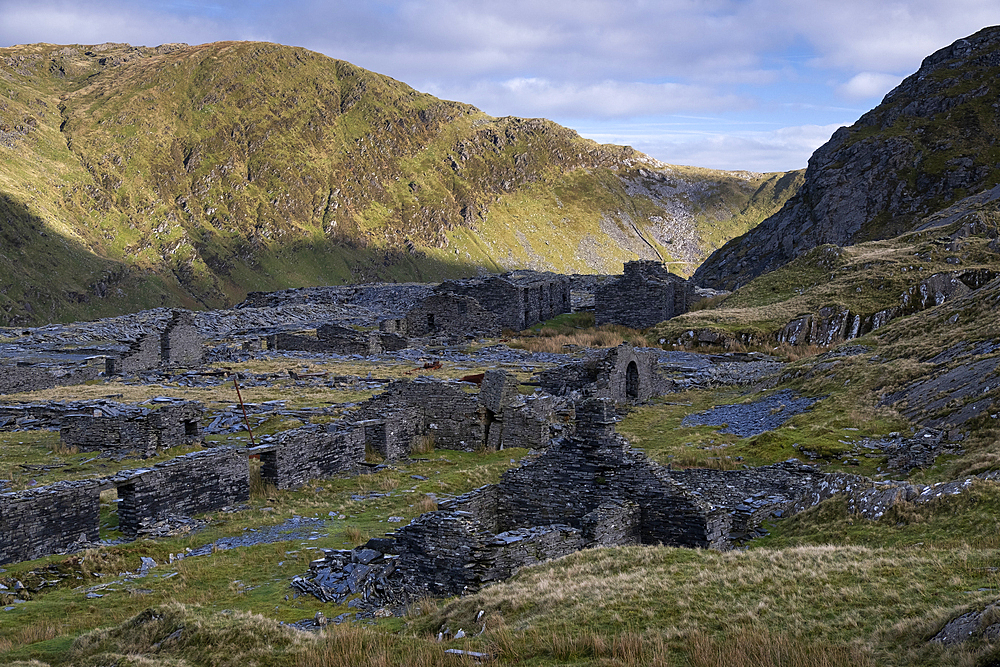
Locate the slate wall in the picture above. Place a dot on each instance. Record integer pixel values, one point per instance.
(47, 520)
(646, 294)
(426, 406)
(191, 484)
(142, 355)
(180, 342)
(19, 377)
(312, 452)
(445, 313)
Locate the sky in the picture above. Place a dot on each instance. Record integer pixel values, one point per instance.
(727, 84)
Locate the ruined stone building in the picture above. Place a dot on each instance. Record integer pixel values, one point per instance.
(446, 313)
(592, 489)
(123, 429)
(623, 374)
(645, 295)
(450, 416)
(517, 299)
(178, 344)
(337, 339)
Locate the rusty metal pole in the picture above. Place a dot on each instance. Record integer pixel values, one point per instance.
(246, 420)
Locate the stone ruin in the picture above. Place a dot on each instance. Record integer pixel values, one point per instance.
(448, 314)
(26, 376)
(178, 345)
(517, 299)
(338, 340)
(623, 374)
(646, 294)
(590, 489)
(450, 417)
(65, 515)
(124, 429)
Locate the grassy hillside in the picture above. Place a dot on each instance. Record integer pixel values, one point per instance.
(135, 177)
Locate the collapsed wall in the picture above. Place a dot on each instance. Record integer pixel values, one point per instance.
(131, 428)
(424, 406)
(179, 343)
(22, 376)
(47, 520)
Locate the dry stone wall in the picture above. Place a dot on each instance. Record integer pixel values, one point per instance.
(199, 482)
(20, 377)
(424, 406)
(47, 520)
(132, 428)
(445, 313)
(645, 295)
(312, 452)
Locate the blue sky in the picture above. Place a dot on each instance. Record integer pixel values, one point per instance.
(726, 84)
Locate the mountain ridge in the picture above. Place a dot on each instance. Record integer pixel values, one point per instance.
(191, 175)
(933, 140)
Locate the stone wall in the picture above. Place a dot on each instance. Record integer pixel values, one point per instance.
(426, 406)
(517, 299)
(20, 377)
(191, 484)
(623, 374)
(446, 313)
(133, 428)
(312, 452)
(47, 520)
(180, 342)
(142, 354)
(645, 295)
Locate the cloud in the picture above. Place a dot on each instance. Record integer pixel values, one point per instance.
(728, 148)
(604, 99)
(868, 84)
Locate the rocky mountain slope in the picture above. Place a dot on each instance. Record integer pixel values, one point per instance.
(133, 177)
(932, 141)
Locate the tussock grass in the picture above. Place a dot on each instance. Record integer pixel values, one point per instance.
(551, 340)
(803, 605)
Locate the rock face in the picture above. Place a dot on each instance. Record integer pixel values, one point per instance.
(925, 146)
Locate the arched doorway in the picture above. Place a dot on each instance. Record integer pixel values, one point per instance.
(632, 381)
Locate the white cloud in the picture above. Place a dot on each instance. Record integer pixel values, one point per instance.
(731, 148)
(868, 84)
(604, 99)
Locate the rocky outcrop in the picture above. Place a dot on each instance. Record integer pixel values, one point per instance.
(926, 145)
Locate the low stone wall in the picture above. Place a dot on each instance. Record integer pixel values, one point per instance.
(19, 377)
(47, 520)
(187, 485)
(312, 452)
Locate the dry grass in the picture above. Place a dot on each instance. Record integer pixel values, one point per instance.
(426, 504)
(760, 647)
(422, 444)
(551, 340)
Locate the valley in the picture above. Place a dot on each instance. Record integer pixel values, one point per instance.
(403, 457)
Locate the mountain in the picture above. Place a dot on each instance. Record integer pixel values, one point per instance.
(930, 143)
(133, 177)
